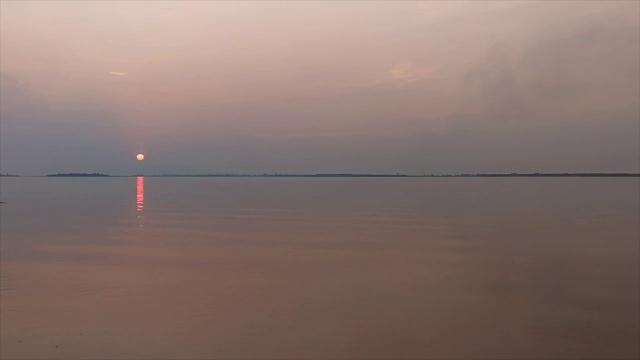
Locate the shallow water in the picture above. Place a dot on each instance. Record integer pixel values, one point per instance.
(202, 268)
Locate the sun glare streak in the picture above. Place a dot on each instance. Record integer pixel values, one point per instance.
(118, 73)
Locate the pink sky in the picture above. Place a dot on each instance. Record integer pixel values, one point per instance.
(252, 87)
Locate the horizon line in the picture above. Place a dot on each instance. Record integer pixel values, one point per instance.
(511, 174)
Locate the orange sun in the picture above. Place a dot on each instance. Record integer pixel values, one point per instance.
(140, 157)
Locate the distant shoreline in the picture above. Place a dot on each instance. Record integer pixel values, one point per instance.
(405, 175)
(78, 175)
(349, 175)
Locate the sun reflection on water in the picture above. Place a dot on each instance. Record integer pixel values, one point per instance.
(140, 197)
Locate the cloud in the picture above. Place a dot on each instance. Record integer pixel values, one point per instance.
(404, 71)
(118, 73)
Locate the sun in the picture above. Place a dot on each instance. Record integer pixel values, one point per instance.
(140, 157)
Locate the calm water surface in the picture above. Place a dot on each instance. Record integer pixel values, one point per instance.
(351, 268)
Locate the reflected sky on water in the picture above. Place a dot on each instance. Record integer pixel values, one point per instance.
(319, 268)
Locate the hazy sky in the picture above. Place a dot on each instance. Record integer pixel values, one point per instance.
(298, 87)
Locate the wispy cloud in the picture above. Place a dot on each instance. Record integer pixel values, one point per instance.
(403, 71)
(408, 72)
(118, 73)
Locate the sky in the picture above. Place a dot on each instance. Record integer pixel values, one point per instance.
(316, 87)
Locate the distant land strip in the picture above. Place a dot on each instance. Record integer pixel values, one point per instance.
(406, 175)
(343, 175)
(78, 175)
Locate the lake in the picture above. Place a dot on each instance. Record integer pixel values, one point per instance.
(319, 268)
